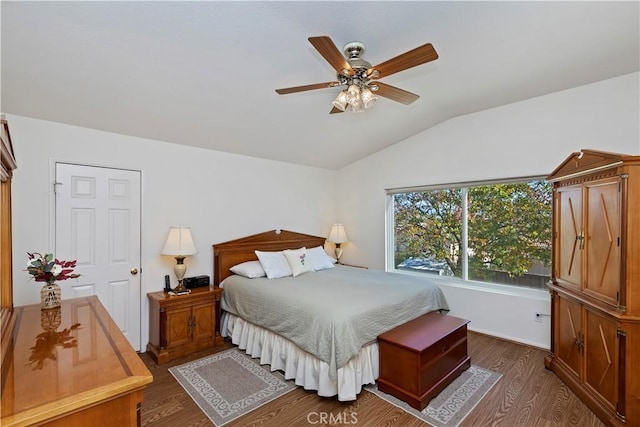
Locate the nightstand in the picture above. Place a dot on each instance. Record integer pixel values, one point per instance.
(182, 324)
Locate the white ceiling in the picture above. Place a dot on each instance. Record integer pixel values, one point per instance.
(204, 73)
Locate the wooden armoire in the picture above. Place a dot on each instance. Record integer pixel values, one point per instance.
(595, 283)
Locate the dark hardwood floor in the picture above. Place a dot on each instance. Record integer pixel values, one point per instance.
(526, 395)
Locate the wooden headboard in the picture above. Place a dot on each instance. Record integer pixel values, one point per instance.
(228, 254)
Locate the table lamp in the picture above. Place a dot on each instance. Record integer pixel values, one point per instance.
(338, 236)
(179, 245)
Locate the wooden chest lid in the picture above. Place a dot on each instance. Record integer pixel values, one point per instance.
(424, 331)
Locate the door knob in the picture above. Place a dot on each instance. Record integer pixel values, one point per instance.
(134, 271)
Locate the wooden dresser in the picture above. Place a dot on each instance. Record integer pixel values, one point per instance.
(421, 357)
(87, 376)
(595, 283)
(182, 324)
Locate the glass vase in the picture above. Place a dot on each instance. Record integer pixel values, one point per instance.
(50, 296)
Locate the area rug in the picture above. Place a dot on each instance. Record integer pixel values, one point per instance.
(214, 384)
(455, 402)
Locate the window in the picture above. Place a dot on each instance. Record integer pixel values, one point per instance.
(496, 232)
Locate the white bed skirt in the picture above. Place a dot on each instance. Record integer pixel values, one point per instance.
(307, 370)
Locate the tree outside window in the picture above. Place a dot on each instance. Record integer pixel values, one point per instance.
(508, 232)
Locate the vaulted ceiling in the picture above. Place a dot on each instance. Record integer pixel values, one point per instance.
(204, 74)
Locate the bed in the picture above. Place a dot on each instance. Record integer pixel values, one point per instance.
(320, 327)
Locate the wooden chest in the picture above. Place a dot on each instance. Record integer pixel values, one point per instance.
(420, 358)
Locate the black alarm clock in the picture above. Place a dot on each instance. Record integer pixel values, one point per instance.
(196, 282)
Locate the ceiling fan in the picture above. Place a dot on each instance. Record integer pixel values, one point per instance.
(360, 78)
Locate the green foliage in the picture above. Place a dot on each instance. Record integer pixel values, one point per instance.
(509, 227)
(428, 225)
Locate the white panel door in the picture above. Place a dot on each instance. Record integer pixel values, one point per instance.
(98, 224)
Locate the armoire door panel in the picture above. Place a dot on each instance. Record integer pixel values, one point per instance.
(569, 334)
(601, 371)
(569, 235)
(603, 241)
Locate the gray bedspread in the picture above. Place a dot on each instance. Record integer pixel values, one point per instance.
(332, 313)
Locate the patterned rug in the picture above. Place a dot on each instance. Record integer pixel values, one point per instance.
(455, 402)
(212, 382)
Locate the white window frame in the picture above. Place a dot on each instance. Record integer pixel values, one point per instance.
(463, 282)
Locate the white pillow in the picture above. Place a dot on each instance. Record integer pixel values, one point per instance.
(298, 261)
(250, 269)
(274, 264)
(319, 259)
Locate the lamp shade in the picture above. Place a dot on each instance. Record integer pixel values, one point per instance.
(179, 242)
(341, 101)
(337, 234)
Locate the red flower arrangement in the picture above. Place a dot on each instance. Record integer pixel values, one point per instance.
(45, 268)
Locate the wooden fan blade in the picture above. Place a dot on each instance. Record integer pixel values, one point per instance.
(395, 93)
(417, 56)
(335, 110)
(331, 54)
(295, 89)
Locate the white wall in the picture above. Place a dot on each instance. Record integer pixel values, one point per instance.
(220, 196)
(225, 196)
(521, 139)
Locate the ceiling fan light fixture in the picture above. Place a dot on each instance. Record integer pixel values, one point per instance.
(353, 91)
(368, 98)
(355, 98)
(355, 73)
(356, 106)
(341, 100)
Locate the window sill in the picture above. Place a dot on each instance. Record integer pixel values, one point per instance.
(495, 288)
